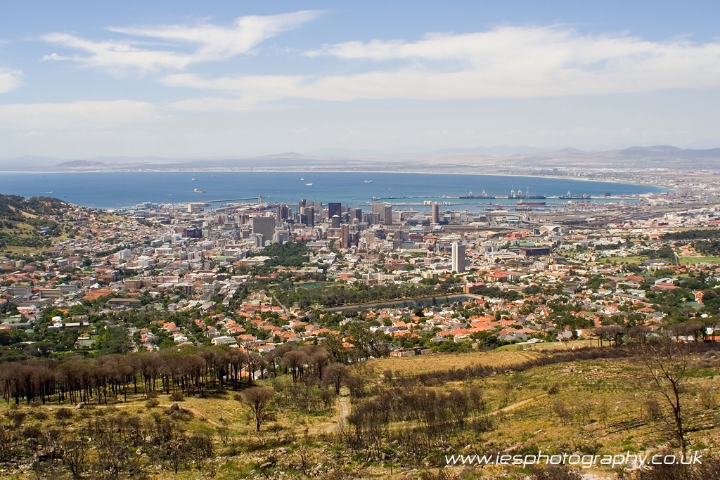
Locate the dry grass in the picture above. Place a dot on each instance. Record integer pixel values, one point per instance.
(434, 362)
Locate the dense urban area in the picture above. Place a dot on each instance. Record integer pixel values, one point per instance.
(305, 318)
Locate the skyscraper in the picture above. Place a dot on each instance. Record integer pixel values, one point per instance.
(264, 226)
(334, 209)
(458, 257)
(384, 211)
(345, 236)
(435, 213)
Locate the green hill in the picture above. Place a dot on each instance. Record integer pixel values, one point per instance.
(29, 222)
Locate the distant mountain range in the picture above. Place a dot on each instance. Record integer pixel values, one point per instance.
(660, 156)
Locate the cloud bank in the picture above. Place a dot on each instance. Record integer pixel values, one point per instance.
(505, 62)
(206, 43)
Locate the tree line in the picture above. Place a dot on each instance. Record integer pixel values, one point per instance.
(188, 370)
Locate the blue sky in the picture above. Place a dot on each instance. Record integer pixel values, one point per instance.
(243, 78)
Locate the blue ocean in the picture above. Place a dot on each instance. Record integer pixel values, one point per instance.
(124, 189)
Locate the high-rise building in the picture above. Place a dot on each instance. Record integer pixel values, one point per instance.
(370, 218)
(458, 257)
(334, 208)
(310, 214)
(356, 214)
(283, 212)
(384, 212)
(335, 221)
(344, 236)
(435, 213)
(264, 226)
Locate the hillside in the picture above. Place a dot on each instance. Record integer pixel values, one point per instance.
(29, 223)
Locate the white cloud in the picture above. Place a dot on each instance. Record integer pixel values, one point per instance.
(506, 62)
(206, 43)
(85, 114)
(9, 80)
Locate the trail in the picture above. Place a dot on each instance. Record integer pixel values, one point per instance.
(517, 404)
(342, 409)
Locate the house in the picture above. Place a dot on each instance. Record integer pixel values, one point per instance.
(84, 341)
(224, 340)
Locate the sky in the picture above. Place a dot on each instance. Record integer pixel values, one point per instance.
(234, 79)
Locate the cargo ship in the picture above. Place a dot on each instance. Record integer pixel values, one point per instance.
(574, 197)
(527, 195)
(197, 190)
(482, 195)
(531, 204)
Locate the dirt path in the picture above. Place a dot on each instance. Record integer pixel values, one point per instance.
(517, 404)
(342, 410)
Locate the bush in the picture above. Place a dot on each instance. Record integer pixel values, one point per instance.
(554, 389)
(177, 397)
(152, 403)
(63, 414)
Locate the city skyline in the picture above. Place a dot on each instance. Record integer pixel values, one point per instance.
(189, 79)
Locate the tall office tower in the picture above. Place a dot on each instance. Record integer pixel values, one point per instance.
(458, 257)
(344, 236)
(334, 209)
(370, 218)
(264, 226)
(435, 213)
(283, 212)
(335, 221)
(384, 212)
(356, 214)
(260, 200)
(307, 215)
(301, 205)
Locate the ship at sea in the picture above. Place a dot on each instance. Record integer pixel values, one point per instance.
(482, 195)
(308, 184)
(523, 203)
(527, 195)
(197, 190)
(368, 181)
(569, 196)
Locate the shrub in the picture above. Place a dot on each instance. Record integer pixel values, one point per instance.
(177, 397)
(63, 413)
(152, 403)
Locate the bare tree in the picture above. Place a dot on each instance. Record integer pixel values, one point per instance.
(258, 398)
(335, 374)
(74, 456)
(667, 363)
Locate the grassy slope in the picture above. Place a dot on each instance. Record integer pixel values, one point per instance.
(605, 401)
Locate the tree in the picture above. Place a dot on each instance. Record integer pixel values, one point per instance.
(74, 456)
(258, 398)
(335, 374)
(666, 361)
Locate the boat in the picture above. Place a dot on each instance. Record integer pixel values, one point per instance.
(197, 190)
(482, 195)
(308, 184)
(193, 179)
(574, 197)
(368, 181)
(533, 197)
(302, 179)
(531, 204)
